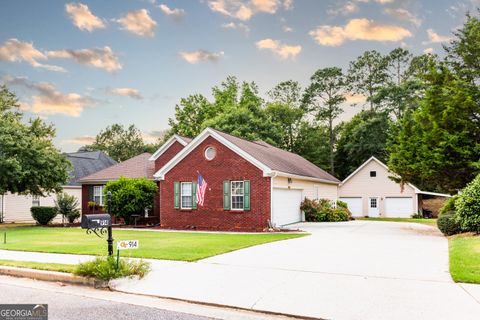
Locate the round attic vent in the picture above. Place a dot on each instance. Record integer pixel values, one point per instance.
(210, 153)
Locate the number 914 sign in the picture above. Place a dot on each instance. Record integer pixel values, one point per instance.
(127, 244)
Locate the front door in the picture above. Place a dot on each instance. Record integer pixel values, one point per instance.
(373, 207)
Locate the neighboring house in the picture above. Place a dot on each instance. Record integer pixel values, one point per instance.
(16, 208)
(250, 184)
(369, 191)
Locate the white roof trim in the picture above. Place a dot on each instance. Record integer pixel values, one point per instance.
(383, 165)
(296, 176)
(434, 193)
(167, 145)
(160, 174)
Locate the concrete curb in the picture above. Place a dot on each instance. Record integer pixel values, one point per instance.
(54, 276)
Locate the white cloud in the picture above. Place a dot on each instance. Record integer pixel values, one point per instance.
(14, 50)
(82, 17)
(139, 22)
(200, 55)
(287, 29)
(358, 29)
(434, 37)
(403, 14)
(288, 4)
(82, 140)
(244, 10)
(103, 58)
(127, 92)
(428, 50)
(237, 26)
(47, 100)
(175, 13)
(345, 9)
(281, 50)
(355, 99)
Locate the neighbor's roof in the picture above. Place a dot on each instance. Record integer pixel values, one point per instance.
(271, 160)
(136, 167)
(85, 163)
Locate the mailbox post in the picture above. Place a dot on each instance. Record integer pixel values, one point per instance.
(100, 224)
(110, 237)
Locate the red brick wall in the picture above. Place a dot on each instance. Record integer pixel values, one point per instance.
(86, 199)
(227, 165)
(167, 155)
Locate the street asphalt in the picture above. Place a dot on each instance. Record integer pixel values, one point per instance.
(64, 306)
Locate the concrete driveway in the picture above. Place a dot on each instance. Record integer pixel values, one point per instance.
(352, 270)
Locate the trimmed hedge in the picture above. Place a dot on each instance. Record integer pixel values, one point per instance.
(448, 224)
(43, 215)
(448, 206)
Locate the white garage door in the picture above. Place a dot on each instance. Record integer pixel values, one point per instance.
(286, 206)
(354, 205)
(398, 207)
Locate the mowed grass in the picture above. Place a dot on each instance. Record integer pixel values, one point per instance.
(69, 268)
(430, 222)
(184, 246)
(464, 252)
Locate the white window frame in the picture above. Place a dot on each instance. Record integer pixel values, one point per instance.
(181, 196)
(98, 192)
(242, 195)
(35, 201)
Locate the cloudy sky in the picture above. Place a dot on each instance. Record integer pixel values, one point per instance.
(85, 65)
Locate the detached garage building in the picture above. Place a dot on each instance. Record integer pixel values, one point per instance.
(369, 191)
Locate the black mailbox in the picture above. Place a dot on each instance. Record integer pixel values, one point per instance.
(94, 221)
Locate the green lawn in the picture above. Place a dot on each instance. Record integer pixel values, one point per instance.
(464, 252)
(39, 265)
(430, 222)
(185, 246)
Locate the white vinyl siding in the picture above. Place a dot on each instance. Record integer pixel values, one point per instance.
(237, 195)
(35, 201)
(186, 195)
(98, 194)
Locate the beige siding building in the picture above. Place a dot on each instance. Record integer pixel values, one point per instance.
(369, 191)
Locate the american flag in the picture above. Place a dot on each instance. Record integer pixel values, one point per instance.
(202, 187)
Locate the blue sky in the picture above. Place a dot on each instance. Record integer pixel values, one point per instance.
(85, 65)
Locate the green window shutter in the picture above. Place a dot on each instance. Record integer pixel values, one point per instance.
(194, 195)
(90, 193)
(176, 195)
(246, 195)
(226, 195)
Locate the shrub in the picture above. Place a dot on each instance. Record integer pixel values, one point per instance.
(468, 207)
(67, 206)
(131, 196)
(43, 215)
(448, 206)
(448, 224)
(104, 268)
(323, 211)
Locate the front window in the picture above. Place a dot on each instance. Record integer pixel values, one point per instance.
(35, 201)
(186, 195)
(98, 194)
(237, 195)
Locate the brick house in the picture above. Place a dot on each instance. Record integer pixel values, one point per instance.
(250, 184)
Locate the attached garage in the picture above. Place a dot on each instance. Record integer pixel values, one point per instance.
(399, 207)
(286, 206)
(354, 205)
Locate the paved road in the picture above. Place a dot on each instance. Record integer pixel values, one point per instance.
(64, 306)
(67, 302)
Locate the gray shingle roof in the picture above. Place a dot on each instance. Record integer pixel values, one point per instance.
(136, 167)
(85, 163)
(278, 159)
